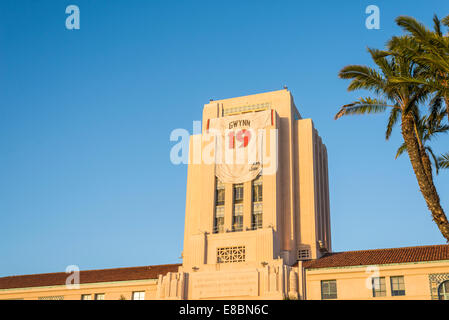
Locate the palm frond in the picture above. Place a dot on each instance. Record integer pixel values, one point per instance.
(378, 54)
(445, 21)
(363, 77)
(380, 58)
(363, 106)
(392, 120)
(443, 161)
(429, 83)
(437, 25)
(410, 24)
(435, 159)
(418, 96)
(435, 107)
(401, 150)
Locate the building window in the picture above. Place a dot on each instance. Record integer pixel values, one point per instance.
(244, 109)
(99, 296)
(257, 189)
(139, 295)
(256, 218)
(219, 193)
(379, 287)
(328, 289)
(443, 291)
(238, 193)
(219, 207)
(237, 218)
(86, 297)
(237, 215)
(219, 219)
(397, 286)
(231, 254)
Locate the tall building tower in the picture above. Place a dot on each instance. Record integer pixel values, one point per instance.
(247, 226)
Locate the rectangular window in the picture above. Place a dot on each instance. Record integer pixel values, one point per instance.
(397, 286)
(244, 109)
(99, 296)
(379, 288)
(256, 219)
(238, 193)
(328, 289)
(237, 218)
(219, 206)
(139, 295)
(86, 297)
(219, 219)
(219, 193)
(257, 189)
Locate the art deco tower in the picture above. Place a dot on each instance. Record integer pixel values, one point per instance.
(243, 233)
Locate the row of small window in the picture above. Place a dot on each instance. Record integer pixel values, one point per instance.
(97, 296)
(237, 219)
(379, 289)
(137, 295)
(238, 190)
(237, 216)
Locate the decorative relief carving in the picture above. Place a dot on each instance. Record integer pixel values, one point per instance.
(279, 280)
(293, 285)
(224, 284)
(273, 281)
(435, 280)
(231, 254)
(171, 286)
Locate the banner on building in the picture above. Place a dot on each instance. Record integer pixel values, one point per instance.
(239, 145)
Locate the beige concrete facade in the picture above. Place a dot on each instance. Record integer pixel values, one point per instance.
(119, 290)
(295, 209)
(281, 255)
(353, 283)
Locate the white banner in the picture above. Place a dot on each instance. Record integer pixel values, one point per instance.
(239, 145)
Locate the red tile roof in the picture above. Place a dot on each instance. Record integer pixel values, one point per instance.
(380, 256)
(88, 276)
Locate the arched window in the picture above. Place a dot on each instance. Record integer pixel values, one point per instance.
(443, 291)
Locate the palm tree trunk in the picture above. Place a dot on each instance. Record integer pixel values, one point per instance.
(427, 164)
(426, 185)
(423, 155)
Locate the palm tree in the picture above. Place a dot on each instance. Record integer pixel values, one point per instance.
(402, 100)
(430, 49)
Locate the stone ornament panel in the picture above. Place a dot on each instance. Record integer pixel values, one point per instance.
(231, 254)
(434, 281)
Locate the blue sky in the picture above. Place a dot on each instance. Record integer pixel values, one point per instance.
(86, 115)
